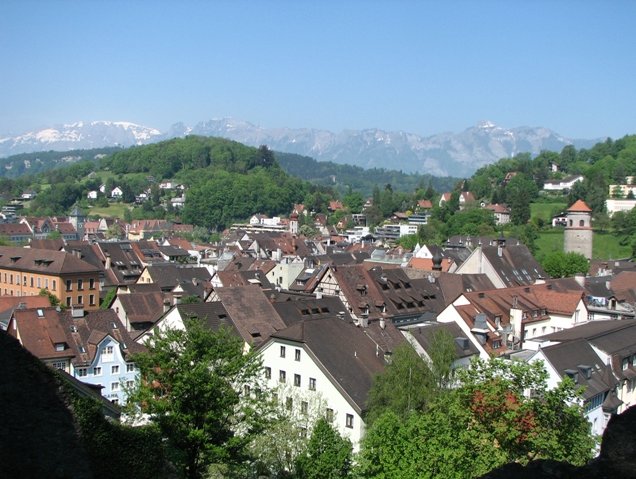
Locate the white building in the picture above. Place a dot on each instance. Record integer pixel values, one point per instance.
(328, 361)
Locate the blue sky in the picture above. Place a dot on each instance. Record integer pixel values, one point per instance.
(417, 66)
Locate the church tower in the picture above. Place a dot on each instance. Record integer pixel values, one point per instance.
(578, 231)
(77, 219)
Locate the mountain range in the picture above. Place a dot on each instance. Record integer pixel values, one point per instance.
(444, 154)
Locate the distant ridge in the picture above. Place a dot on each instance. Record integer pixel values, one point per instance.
(444, 154)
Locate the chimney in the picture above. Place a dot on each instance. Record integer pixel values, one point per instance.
(107, 265)
(382, 323)
(580, 279)
(77, 311)
(166, 305)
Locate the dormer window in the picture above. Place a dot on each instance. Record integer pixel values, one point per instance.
(60, 346)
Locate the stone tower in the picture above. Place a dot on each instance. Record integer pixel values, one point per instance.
(578, 231)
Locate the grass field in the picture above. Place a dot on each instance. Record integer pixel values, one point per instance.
(114, 210)
(605, 245)
(546, 210)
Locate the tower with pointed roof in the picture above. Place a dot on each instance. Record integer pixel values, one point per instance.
(578, 231)
(77, 219)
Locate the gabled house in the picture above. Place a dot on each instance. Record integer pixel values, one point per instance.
(17, 233)
(181, 281)
(213, 315)
(93, 347)
(500, 212)
(503, 320)
(138, 311)
(121, 263)
(26, 271)
(329, 363)
(377, 293)
(578, 361)
(423, 336)
(615, 344)
(505, 265)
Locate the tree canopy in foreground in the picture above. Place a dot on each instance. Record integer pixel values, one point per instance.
(484, 423)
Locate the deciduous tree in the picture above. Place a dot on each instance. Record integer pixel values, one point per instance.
(202, 391)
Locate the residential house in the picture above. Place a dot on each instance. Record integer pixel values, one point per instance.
(579, 361)
(8, 304)
(502, 320)
(26, 271)
(614, 342)
(17, 233)
(564, 184)
(328, 365)
(424, 335)
(146, 229)
(375, 294)
(506, 265)
(120, 261)
(501, 213)
(116, 192)
(138, 311)
(93, 347)
(213, 315)
(181, 281)
(465, 199)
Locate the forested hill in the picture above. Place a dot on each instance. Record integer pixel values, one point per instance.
(226, 181)
(342, 177)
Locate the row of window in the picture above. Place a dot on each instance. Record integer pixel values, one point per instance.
(115, 386)
(282, 377)
(80, 284)
(329, 415)
(31, 281)
(97, 370)
(283, 353)
(80, 300)
(627, 361)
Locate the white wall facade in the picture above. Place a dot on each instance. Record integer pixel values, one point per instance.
(326, 391)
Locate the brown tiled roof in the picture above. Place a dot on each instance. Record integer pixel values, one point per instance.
(624, 286)
(52, 244)
(243, 278)
(39, 330)
(42, 261)
(88, 331)
(9, 229)
(251, 312)
(426, 264)
(142, 307)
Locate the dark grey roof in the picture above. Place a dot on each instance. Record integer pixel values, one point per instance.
(343, 351)
(214, 315)
(576, 356)
(296, 308)
(169, 276)
(516, 266)
(424, 334)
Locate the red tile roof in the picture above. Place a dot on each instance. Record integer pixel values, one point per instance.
(580, 207)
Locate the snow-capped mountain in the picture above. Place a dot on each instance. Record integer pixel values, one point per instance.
(444, 154)
(79, 135)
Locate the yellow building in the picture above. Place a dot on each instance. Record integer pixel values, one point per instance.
(27, 271)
